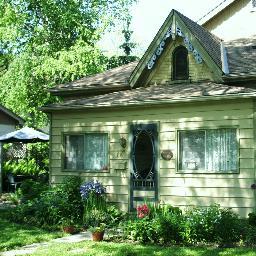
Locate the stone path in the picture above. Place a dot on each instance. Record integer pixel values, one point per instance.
(28, 249)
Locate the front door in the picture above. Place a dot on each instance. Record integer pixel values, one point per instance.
(144, 164)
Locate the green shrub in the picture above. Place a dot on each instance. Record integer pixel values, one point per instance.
(53, 206)
(114, 216)
(30, 189)
(170, 228)
(161, 224)
(250, 236)
(213, 224)
(252, 219)
(143, 230)
(228, 227)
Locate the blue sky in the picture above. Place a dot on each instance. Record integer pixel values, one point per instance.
(147, 18)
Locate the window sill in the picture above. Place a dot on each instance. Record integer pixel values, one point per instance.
(86, 171)
(206, 172)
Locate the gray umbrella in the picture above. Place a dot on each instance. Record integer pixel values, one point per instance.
(25, 135)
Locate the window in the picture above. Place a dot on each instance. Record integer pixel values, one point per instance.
(180, 63)
(86, 152)
(213, 150)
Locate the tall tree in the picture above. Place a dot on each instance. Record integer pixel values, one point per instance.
(56, 23)
(47, 42)
(127, 46)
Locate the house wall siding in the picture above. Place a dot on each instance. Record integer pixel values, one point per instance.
(179, 189)
(234, 21)
(162, 73)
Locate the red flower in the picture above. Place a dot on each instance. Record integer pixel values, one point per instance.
(142, 211)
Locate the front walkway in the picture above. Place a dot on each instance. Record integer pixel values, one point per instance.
(28, 249)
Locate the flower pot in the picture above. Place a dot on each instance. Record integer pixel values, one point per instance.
(69, 229)
(97, 236)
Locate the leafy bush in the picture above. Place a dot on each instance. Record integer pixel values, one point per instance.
(212, 224)
(159, 224)
(250, 236)
(54, 206)
(143, 230)
(228, 228)
(170, 228)
(252, 219)
(30, 189)
(114, 216)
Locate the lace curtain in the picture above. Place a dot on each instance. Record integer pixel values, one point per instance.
(213, 150)
(88, 151)
(74, 152)
(96, 150)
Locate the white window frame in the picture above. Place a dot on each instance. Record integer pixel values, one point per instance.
(179, 170)
(84, 134)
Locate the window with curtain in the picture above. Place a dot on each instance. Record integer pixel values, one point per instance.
(211, 150)
(86, 152)
(180, 63)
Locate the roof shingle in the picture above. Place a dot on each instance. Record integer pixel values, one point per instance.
(241, 54)
(165, 93)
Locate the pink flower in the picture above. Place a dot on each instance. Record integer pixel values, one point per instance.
(142, 211)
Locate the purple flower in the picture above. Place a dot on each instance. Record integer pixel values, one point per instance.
(92, 186)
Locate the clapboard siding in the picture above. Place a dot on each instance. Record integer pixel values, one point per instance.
(181, 189)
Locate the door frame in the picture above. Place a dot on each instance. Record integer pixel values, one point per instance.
(156, 144)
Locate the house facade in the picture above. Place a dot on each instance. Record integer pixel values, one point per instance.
(176, 127)
(231, 20)
(8, 123)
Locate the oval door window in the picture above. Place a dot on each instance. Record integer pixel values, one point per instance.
(143, 154)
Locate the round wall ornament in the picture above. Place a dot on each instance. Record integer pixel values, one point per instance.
(167, 154)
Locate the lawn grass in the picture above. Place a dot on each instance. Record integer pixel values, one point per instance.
(89, 248)
(14, 235)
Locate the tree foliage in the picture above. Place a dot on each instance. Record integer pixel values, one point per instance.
(47, 42)
(56, 23)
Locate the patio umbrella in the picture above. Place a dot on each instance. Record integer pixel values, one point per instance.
(25, 135)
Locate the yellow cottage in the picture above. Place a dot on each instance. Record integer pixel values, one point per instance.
(179, 126)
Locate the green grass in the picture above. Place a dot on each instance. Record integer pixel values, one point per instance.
(13, 235)
(89, 248)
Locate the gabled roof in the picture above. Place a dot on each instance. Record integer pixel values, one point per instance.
(209, 41)
(241, 57)
(12, 115)
(202, 41)
(158, 95)
(113, 79)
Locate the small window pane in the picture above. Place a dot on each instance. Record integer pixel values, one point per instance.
(180, 63)
(221, 146)
(192, 150)
(74, 152)
(96, 151)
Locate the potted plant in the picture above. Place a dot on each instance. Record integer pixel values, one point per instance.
(98, 232)
(68, 225)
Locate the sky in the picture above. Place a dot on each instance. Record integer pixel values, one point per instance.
(147, 18)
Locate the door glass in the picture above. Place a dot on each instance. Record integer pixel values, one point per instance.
(143, 155)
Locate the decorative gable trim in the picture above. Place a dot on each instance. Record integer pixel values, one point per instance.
(172, 34)
(172, 27)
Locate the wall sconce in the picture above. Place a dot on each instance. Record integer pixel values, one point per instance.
(123, 142)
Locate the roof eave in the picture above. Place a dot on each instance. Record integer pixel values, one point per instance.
(238, 78)
(11, 114)
(89, 91)
(152, 102)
